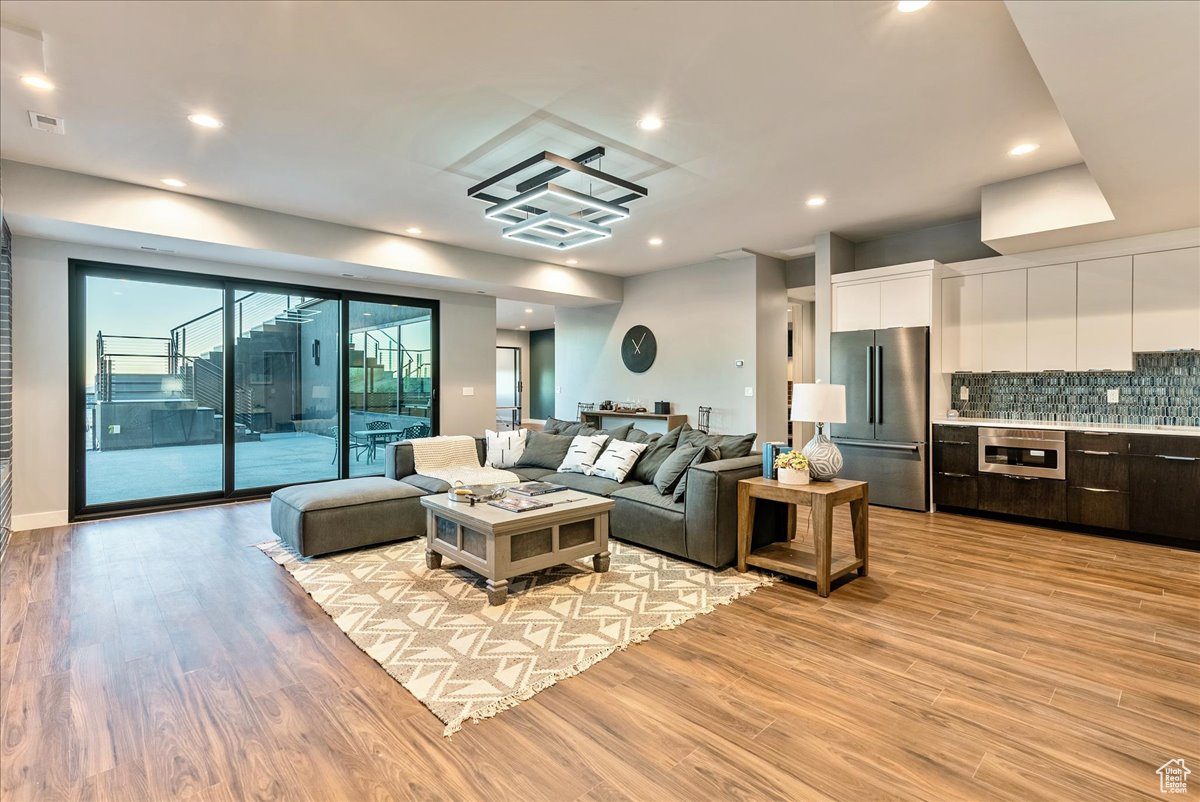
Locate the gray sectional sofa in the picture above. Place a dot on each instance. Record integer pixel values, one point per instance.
(701, 527)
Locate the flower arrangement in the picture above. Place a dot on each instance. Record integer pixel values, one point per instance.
(793, 460)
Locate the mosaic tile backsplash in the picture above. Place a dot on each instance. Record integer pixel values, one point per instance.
(1162, 389)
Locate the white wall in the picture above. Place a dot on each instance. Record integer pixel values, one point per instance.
(770, 391)
(40, 372)
(518, 339)
(703, 318)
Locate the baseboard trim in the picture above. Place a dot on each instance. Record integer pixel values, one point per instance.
(39, 520)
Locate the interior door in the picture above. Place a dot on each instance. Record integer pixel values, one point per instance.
(852, 363)
(901, 384)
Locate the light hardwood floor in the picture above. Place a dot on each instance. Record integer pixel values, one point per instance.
(163, 657)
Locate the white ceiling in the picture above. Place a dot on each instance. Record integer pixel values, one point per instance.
(380, 114)
(512, 315)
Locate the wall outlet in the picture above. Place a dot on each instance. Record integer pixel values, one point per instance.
(740, 363)
(558, 389)
(468, 391)
(964, 393)
(1114, 395)
(749, 391)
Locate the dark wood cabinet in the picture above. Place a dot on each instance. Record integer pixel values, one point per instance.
(1091, 506)
(1164, 486)
(1028, 497)
(952, 490)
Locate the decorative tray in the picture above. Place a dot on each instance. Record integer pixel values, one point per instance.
(475, 494)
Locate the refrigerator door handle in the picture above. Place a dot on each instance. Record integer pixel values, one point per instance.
(873, 444)
(879, 384)
(870, 384)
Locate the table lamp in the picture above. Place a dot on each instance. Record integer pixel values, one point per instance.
(820, 404)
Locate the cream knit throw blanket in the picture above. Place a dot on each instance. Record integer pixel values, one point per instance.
(453, 458)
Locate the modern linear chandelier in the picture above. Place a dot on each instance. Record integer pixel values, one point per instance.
(559, 207)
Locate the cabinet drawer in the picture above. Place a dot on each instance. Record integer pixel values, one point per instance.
(955, 456)
(1094, 507)
(955, 491)
(1103, 470)
(1098, 441)
(1151, 445)
(1164, 495)
(1028, 497)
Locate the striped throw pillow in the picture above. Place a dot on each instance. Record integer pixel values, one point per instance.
(582, 453)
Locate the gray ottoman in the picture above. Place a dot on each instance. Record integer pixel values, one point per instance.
(345, 514)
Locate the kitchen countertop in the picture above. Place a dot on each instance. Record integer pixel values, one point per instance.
(1127, 428)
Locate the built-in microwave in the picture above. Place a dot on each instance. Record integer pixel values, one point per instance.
(1023, 452)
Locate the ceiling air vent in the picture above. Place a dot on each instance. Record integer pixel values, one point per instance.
(45, 122)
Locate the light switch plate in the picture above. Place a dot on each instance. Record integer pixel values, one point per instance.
(749, 391)
(964, 393)
(1114, 395)
(468, 391)
(558, 389)
(740, 363)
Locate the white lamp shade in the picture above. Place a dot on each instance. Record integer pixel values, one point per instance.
(819, 403)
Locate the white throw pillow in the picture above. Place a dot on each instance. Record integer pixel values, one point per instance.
(504, 449)
(582, 453)
(617, 460)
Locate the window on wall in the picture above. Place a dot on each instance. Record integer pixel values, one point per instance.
(187, 389)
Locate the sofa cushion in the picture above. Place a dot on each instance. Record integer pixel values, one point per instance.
(595, 485)
(654, 456)
(426, 483)
(531, 474)
(673, 468)
(582, 453)
(504, 449)
(635, 435)
(567, 427)
(731, 446)
(343, 493)
(544, 450)
(706, 454)
(617, 460)
(643, 516)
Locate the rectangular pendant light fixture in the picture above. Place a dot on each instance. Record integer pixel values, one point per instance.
(612, 211)
(557, 231)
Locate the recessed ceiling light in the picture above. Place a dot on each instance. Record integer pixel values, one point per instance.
(650, 122)
(1022, 149)
(909, 6)
(413, 230)
(347, 275)
(173, 182)
(520, 327)
(656, 241)
(38, 82)
(572, 261)
(205, 120)
(368, 314)
(529, 311)
(815, 201)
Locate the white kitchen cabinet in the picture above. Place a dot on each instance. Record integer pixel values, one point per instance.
(1051, 323)
(856, 306)
(1104, 314)
(962, 308)
(1004, 335)
(1166, 300)
(905, 302)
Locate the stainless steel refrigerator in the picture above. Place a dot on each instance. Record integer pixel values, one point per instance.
(885, 437)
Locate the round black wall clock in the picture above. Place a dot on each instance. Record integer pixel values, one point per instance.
(638, 349)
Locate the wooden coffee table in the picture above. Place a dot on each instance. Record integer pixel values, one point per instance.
(499, 545)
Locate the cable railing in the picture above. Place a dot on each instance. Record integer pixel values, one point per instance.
(206, 333)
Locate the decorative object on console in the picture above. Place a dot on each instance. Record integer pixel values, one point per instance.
(791, 468)
(1162, 390)
(820, 404)
(662, 407)
(638, 349)
(557, 208)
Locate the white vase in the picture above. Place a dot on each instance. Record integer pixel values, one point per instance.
(791, 476)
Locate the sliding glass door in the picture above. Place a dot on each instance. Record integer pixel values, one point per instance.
(190, 389)
(287, 388)
(391, 379)
(152, 406)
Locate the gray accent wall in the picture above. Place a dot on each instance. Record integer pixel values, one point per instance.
(1162, 389)
(704, 318)
(541, 374)
(951, 242)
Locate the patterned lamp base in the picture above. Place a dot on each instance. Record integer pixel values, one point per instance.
(824, 459)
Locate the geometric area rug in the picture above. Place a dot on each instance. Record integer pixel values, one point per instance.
(434, 632)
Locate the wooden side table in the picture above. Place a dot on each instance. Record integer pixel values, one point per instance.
(820, 567)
